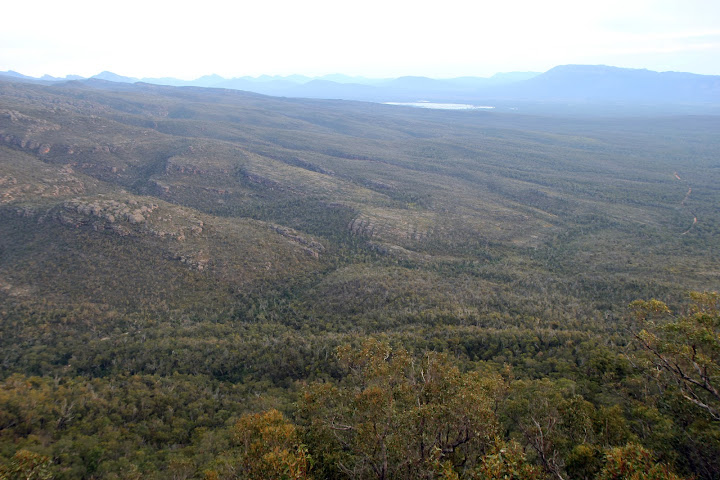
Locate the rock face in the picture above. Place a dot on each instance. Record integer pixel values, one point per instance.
(362, 226)
(110, 210)
(135, 216)
(20, 130)
(31, 124)
(310, 247)
(392, 225)
(44, 182)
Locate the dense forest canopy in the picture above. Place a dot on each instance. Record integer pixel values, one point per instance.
(202, 283)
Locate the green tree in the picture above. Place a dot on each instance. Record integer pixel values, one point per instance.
(270, 447)
(264, 445)
(633, 462)
(393, 416)
(684, 351)
(550, 419)
(27, 465)
(508, 462)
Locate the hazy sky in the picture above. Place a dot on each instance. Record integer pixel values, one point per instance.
(374, 38)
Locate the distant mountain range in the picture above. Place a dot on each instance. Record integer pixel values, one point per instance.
(612, 84)
(592, 84)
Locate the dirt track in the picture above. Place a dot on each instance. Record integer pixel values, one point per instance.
(683, 204)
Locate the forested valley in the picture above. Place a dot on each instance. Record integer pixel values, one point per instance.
(213, 284)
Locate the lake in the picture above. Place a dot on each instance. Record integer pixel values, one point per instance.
(441, 106)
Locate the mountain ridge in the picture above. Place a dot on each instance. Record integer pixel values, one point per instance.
(606, 83)
(576, 85)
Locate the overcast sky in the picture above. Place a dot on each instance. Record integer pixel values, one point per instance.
(373, 38)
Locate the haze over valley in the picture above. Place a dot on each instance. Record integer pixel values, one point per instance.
(572, 89)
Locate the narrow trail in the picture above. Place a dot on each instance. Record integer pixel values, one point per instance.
(682, 204)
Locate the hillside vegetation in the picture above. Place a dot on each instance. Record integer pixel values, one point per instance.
(180, 265)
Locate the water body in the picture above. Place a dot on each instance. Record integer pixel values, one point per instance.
(441, 106)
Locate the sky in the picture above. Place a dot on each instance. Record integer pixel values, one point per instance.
(371, 38)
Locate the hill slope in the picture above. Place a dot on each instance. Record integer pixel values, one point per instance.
(171, 258)
(433, 188)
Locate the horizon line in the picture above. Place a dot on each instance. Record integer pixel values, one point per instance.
(67, 77)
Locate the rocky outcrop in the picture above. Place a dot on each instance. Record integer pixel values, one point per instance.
(191, 165)
(20, 130)
(198, 260)
(260, 180)
(362, 226)
(160, 187)
(311, 247)
(31, 124)
(397, 225)
(184, 169)
(111, 211)
(59, 183)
